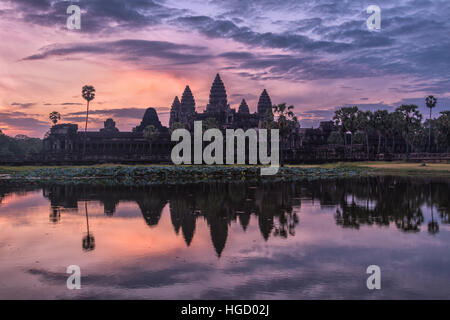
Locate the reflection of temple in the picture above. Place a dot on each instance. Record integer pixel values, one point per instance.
(219, 205)
(358, 201)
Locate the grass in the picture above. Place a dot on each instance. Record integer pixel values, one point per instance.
(164, 174)
(14, 169)
(379, 167)
(385, 167)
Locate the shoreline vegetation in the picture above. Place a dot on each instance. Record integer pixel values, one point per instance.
(138, 175)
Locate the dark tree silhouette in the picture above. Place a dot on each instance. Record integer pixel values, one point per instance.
(409, 120)
(88, 240)
(347, 118)
(365, 124)
(88, 93)
(54, 117)
(442, 131)
(431, 103)
(286, 123)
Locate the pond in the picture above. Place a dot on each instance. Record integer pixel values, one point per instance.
(298, 240)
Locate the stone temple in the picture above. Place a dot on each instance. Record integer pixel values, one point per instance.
(65, 143)
(219, 109)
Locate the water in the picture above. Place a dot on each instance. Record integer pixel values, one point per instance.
(306, 240)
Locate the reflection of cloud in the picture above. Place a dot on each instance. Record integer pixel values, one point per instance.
(154, 263)
(136, 278)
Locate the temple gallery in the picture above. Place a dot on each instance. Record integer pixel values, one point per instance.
(65, 144)
(236, 147)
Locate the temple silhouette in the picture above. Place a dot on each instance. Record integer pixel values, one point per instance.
(65, 144)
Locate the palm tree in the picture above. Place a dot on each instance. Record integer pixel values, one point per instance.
(54, 117)
(88, 93)
(286, 122)
(175, 126)
(150, 133)
(409, 120)
(431, 103)
(393, 128)
(210, 123)
(442, 131)
(380, 119)
(347, 118)
(364, 124)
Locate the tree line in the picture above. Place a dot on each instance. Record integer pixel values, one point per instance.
(399, 131)
(19, 147)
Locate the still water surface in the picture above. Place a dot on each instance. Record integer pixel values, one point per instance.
(303, 240)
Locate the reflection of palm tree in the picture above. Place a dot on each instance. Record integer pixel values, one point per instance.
(88, 240)
(55, 214)
(433, 226)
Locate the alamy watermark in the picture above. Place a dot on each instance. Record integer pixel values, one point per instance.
(235, 143)
(74, 20)
(374, 21)
(374, 280)
(74, 280)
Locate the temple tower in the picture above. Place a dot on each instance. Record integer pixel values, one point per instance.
(264, 105)
(187, 106)
(218, 97)
(175, 112)
(150, 118)
(243, 108)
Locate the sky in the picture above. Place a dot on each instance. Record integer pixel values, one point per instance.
(317, 55)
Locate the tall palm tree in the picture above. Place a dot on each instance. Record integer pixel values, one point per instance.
(151, 134)
(431, 103)
(442, 131)
(364, 124)
(286, 123)
(409, 121)
(393, 128)
(54, 117)
(380, 119)
(347, 118)
(88, 93)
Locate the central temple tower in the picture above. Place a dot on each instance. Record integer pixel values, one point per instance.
(218, 101)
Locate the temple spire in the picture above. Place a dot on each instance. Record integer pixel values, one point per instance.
(187, 106)
(175, 111)
(217, 97)
(264, 105)
(243, 108)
